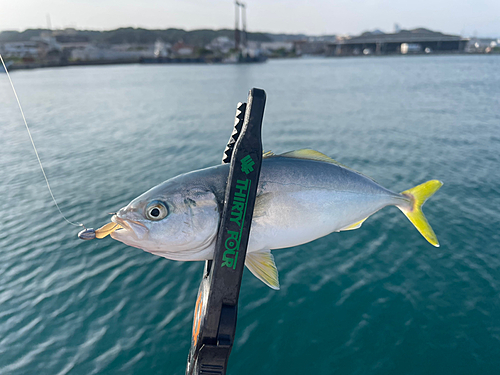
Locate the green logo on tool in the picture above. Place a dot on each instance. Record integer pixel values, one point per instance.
(237, 220)
(247, 164)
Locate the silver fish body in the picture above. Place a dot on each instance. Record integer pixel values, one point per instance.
(299, 199)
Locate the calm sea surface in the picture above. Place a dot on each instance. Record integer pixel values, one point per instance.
(377, 300)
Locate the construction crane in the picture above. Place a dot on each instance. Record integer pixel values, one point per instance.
(240, 39)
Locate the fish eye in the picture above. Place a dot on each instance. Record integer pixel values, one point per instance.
(156, 210)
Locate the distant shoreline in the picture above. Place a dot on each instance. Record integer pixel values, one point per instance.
(204, 62)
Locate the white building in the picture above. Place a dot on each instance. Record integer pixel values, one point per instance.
(20, 49)
(161, 49)
(481, 45)
(222, 44)
(118, 52)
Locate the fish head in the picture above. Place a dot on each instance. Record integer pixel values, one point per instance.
(171, 220)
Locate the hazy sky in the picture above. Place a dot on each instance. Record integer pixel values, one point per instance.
(466, 17)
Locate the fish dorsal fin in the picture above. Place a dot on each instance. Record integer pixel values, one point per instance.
(268, 154)
(355, 225)
(261, 264)
(309, 154)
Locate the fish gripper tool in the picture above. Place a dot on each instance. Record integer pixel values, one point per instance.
(216, 308)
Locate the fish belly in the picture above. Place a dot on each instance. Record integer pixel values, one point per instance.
(294, 218)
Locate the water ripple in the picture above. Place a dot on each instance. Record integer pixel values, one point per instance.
(375, 300)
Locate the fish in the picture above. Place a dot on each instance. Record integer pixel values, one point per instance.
(302, 195)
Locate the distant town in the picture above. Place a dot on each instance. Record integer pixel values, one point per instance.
(36, 48)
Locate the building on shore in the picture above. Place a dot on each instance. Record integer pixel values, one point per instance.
(401, 42)
(29, 49)
(221, 44)
(125, 52)
(483, 45)
(309, 47)
(43, 47)
(276, 46)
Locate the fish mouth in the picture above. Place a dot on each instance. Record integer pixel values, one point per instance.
(127, 228)
(119, 227)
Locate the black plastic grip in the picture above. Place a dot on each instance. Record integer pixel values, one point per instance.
(216, 307)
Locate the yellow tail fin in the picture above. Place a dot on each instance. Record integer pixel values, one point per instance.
(418, 195)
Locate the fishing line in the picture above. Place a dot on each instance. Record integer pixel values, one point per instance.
(34, 148)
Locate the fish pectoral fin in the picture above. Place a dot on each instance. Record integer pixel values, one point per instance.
(354, 226)
(261, 264)
(262, 203)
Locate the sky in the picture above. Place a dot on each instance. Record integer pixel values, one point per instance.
(312, 17)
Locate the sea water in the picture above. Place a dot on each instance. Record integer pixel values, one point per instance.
(377, 300)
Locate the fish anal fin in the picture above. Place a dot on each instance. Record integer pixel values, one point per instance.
(261, 264)
(355, 225)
